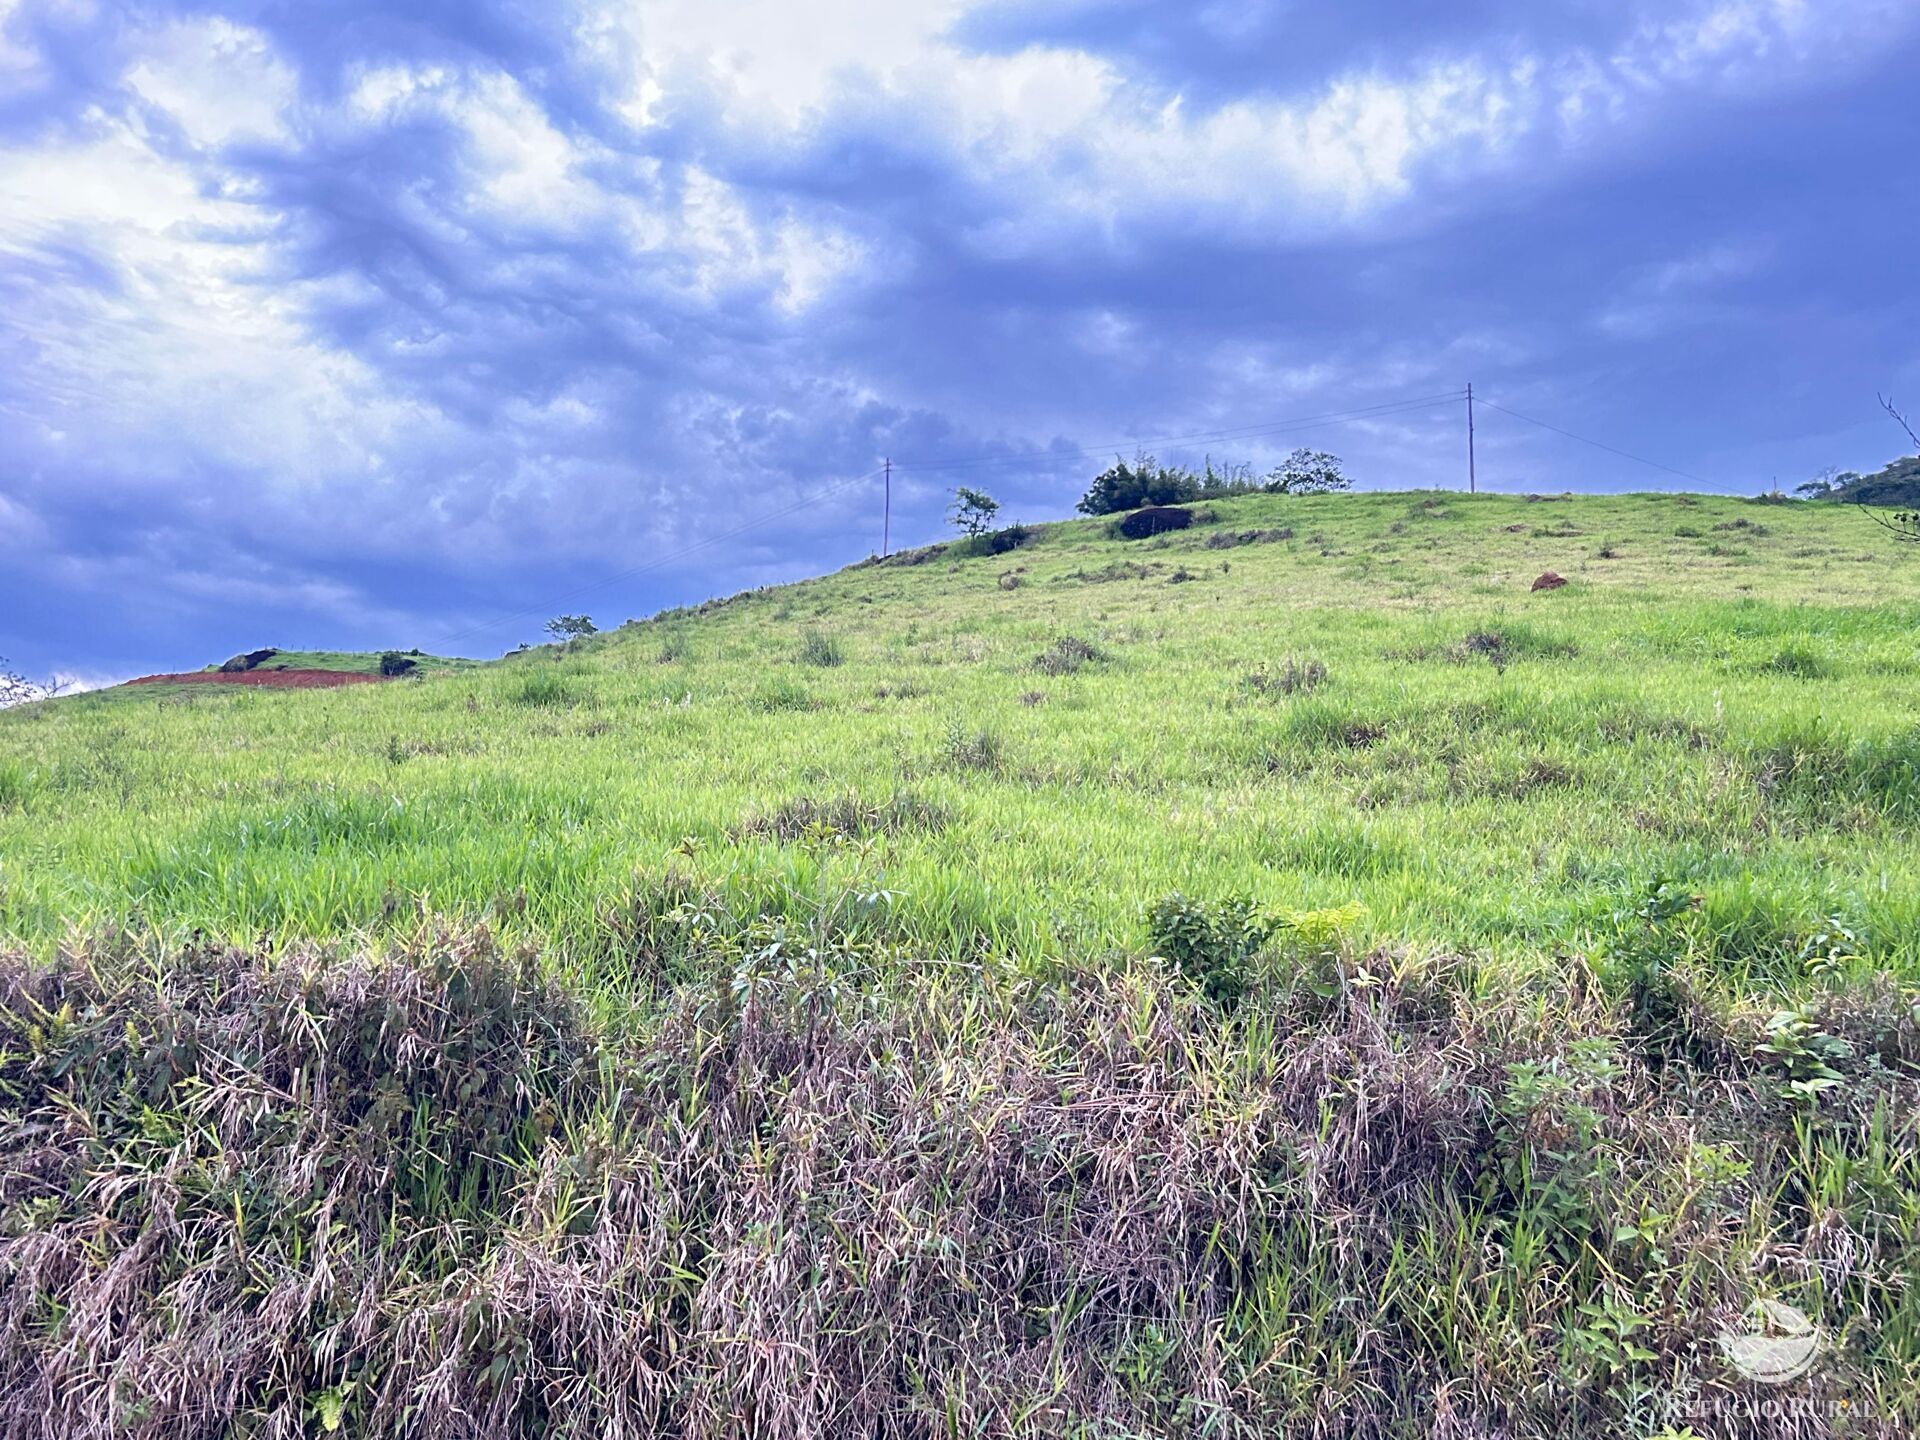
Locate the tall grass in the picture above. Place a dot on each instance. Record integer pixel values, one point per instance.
(693, 1033)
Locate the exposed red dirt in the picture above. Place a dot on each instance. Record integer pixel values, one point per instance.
(278, 679)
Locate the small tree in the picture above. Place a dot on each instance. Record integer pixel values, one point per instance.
(973, 511)
(17, 689)
(1308, 472)
(571, 627)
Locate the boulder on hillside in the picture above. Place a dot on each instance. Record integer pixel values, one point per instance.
(1154, 520)
(1549, 580)
(242, 663)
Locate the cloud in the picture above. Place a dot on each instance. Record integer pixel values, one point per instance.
(370, 323)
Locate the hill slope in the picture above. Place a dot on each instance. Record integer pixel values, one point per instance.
(1285, 976)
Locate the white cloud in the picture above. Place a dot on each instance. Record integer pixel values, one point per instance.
(220, 81)
(1070, 139)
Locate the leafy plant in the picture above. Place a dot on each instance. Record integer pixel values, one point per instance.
(1806, 1055)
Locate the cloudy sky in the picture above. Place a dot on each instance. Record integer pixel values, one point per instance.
(370, 324)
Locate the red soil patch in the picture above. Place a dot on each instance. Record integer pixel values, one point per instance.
(277, 679)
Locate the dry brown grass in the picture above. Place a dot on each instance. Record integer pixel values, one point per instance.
(426, 1196)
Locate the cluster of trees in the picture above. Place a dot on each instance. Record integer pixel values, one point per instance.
(1891, 497)
(1145, 481)
(1130, 485)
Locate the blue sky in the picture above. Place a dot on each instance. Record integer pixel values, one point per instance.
(369, 325)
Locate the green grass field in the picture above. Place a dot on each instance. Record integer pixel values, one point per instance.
(1283, 977)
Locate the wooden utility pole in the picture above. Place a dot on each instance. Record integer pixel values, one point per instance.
(1473, 475)
(886, 515)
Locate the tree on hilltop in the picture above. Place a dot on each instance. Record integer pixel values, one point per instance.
(973, 511)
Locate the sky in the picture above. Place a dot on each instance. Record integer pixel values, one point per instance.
(379, 325)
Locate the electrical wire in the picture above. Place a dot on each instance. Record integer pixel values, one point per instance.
(1385, 410)
(1245, 432)
(1600, 445)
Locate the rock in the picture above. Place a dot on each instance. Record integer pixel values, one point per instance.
(1549, 581)
(1155, 520)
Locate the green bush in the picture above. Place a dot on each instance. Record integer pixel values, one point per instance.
(1211, 943)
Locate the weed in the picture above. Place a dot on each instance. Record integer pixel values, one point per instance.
(1291, 677)
(1806, 1055)
(973, 749)
(847, 815)
(1066, 655)
(821, 649)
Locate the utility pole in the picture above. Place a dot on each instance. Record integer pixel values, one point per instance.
(1473, 476)
(886, 515)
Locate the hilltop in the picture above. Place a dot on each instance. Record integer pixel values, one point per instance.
(1896, 486)
(1284, 976)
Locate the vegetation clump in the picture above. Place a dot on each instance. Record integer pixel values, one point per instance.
(1293, 676)
(1066, 655)
(247, 660)
(1153, 520)
(822, 650)
(845, 815)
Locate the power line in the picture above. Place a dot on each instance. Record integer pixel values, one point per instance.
(659, 561)
(1384, 410)
(1245, 432)
(1389, 408)
(1601, 445)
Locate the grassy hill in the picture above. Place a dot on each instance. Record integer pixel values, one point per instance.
(1281, 977)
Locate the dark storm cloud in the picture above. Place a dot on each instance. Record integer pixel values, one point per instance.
(361, 326)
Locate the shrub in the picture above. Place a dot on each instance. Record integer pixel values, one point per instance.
(1154, 520)
(1001, 541)
(247, 660)
(1066, 655)
(393, 663)
(1211, 943)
